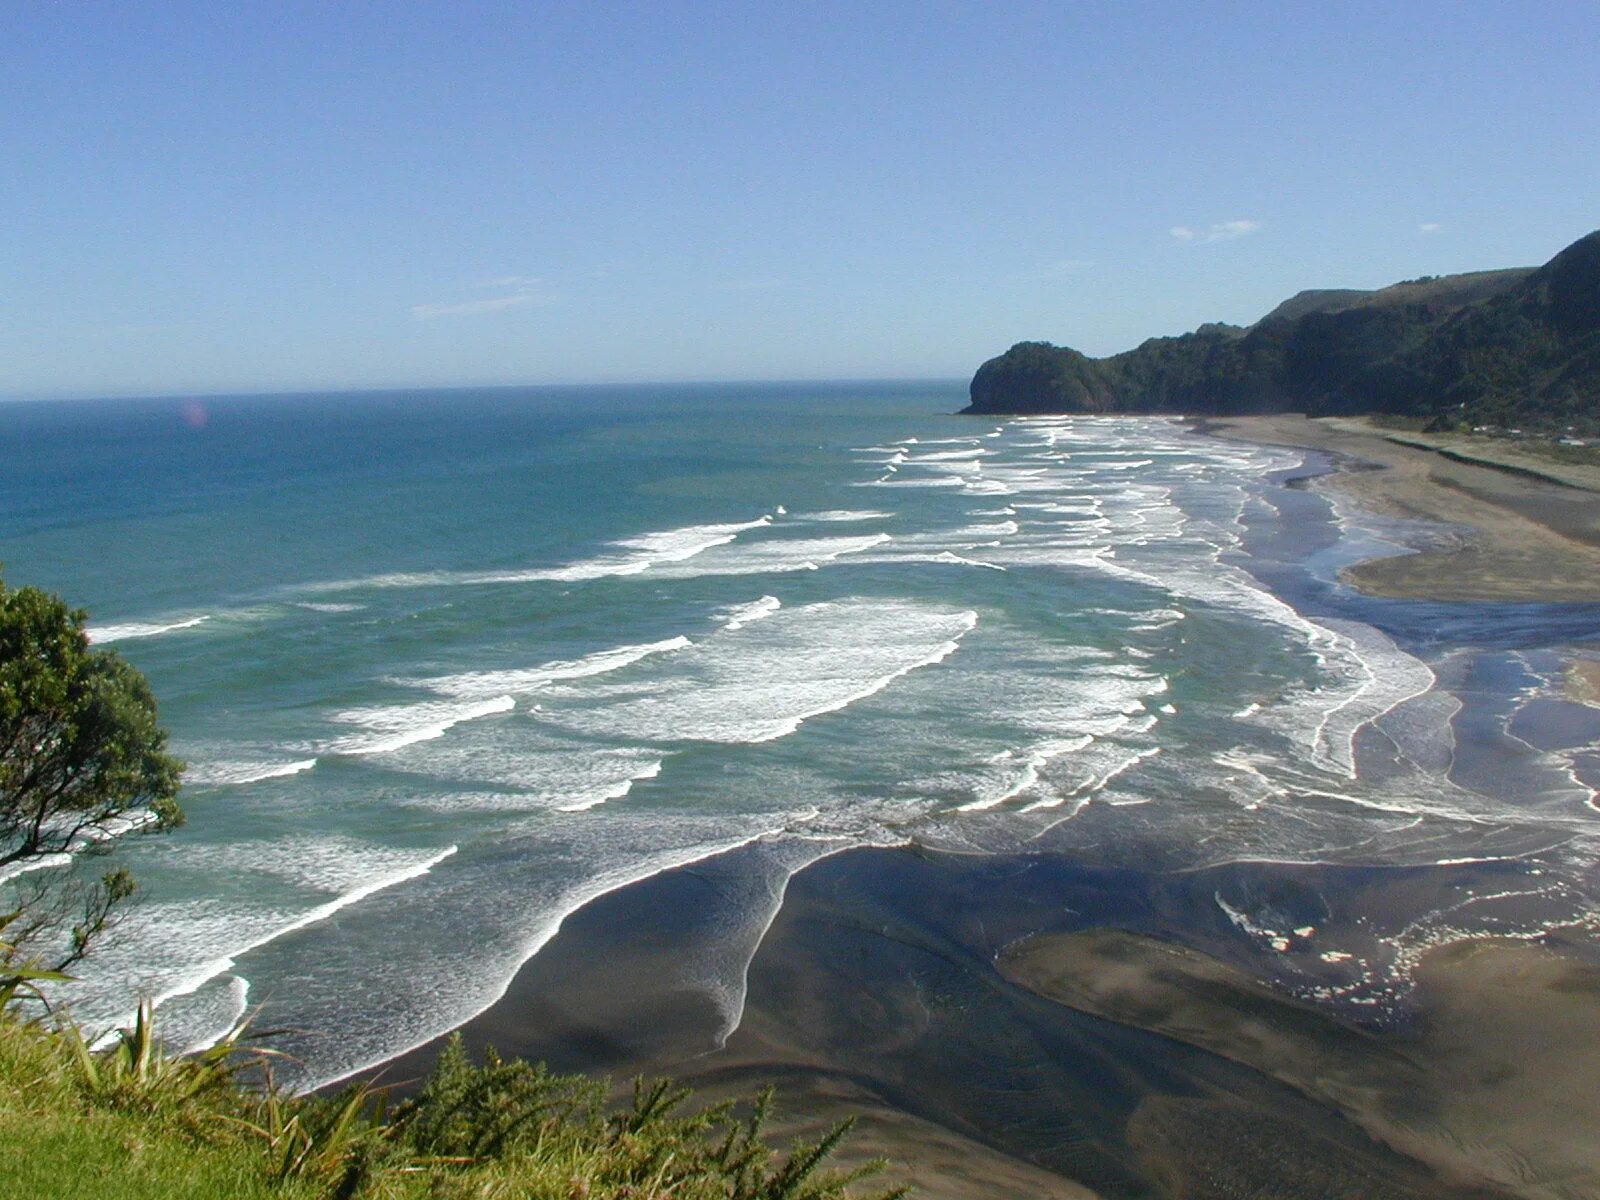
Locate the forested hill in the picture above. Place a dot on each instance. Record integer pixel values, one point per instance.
(1514, 348)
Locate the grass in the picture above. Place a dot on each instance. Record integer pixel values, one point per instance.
(58, 1139)
(135, 1122)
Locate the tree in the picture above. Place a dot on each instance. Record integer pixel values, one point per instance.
(82, 760)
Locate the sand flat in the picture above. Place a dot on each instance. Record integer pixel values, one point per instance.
(985, 1058)
(1523, 537)
(1497, 1085)
(1583, 681)
(938, 1163)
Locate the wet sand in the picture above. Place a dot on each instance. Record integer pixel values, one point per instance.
(1496, 1086)
(609, 995)
(1511, 536)
(1583, 681)
(933, 995)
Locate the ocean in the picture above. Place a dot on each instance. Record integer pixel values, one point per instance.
(448, 666)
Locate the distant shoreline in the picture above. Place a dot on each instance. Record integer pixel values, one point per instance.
(1529, 539)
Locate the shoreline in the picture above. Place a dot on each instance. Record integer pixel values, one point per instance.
(881, 987)
(1583, 681)
(887, 988)
(1506, 535)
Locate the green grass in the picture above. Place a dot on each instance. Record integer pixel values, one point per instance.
(132, 1122)
(71, 1155)
(58, 1141)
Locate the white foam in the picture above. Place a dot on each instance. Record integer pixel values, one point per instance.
(964, 457)
(631, 556)
(934, 482)
(490, 978)
(138, 629)
(43, 862)
(762, 682)
(86, 838)
(482, 685)
(740, 615)
(844, 515)
(1122, 761)
(1125, 465)
(1361, 675)
(776, 555)
(671, 545)
(391, 727)
(178, 976)
(758, 907)
(1364, 676)
(946, 556)
(225, 773)
(320, 913)
(963, 534)
(614, 793)
(229, 1002)
(1079, 724)
(1020, 770)
(987, 487)
(522, 768)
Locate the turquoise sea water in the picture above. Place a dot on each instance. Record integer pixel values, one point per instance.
(448, 665)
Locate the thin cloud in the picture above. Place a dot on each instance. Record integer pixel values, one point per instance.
(1222, 231)
(521, 295)
(467, 308)
(1429, 227)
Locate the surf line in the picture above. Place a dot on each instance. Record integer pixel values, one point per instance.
(212, 968)
(541, 935)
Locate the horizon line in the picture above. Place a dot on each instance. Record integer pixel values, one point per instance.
(393, 389)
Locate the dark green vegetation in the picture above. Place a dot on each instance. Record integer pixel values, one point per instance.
(82, 758)
(1513, 349)
(138, 1124)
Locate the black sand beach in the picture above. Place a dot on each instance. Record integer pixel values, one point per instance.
(1032, 1025)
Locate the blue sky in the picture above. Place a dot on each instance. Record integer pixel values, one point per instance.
(234, 197)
